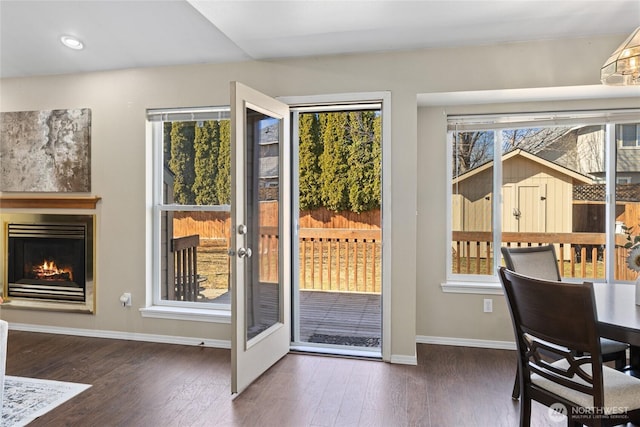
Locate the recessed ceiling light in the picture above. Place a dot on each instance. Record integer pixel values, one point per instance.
(72, 42)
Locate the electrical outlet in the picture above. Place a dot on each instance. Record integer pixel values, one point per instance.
(125, 299)
(488, 305)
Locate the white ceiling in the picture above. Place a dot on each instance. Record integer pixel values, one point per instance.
(145, 33)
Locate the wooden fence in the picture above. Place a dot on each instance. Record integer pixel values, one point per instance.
(217, 224)
(579, 254)
(338, 251)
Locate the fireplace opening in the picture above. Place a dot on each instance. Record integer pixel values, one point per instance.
(47, 261)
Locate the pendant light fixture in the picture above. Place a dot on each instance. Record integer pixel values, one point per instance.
(623, 66)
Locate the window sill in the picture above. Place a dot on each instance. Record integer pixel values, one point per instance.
(484, 288)
(190, 314)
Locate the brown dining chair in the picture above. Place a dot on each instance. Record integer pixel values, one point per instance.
(561, 319)
(541, 262)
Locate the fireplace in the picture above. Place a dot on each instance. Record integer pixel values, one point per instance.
(49, 261)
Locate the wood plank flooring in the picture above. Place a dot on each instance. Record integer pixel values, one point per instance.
(157, 385)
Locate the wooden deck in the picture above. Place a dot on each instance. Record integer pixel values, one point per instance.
(340, 315)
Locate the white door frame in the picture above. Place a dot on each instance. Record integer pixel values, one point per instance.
(358, 98)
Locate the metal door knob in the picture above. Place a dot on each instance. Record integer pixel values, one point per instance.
(244, 252)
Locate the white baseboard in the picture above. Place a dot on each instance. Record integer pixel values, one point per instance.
(206, 342)
(466, 342)
(402, 359)
(93, 333)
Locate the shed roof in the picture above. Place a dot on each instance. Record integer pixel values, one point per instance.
(532, 157)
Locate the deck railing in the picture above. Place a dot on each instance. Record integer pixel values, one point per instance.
(185, 265)
(580, 255)
(331, 259)
(340, 259)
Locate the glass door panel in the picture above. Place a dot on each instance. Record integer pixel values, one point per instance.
(262, 296)
(260, 300)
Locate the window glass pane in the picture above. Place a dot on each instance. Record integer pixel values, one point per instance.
(193, 256)
(627, 226)
(471, 202)
(196, 160)
(553, 193)
(554, 177)
(627, 135)
(193, 264)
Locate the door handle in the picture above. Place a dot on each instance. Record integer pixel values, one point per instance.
(244, 252)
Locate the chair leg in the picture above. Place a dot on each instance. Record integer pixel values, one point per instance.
(621, 361)
(525, 411)
(515, 394)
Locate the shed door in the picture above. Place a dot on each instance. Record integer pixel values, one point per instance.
(531, 209)
(524, 208)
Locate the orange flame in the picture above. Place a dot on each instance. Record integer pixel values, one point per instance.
(50, 271)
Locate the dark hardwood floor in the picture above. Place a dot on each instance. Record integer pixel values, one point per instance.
(148, 384)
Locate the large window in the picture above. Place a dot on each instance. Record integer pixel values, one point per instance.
(549, 178)
(191, 207)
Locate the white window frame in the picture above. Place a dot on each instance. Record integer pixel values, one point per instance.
(637, 141)
(156, 307)
(623, 180)
(489, 284)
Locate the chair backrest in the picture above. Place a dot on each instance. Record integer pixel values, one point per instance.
(534, 261)
(558, 318)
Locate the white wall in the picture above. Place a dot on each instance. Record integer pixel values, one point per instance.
(119, 99)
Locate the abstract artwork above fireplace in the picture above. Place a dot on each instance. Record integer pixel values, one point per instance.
(46, 151)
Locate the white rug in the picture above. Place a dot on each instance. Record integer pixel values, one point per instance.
(26, 399)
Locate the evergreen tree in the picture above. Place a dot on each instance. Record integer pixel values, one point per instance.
(166, 143)
(334, 188)
(223, 177)
(376, 149)
(206, 146)
(340, 161)
(364, 156)
(181, 162)
(310, 149)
